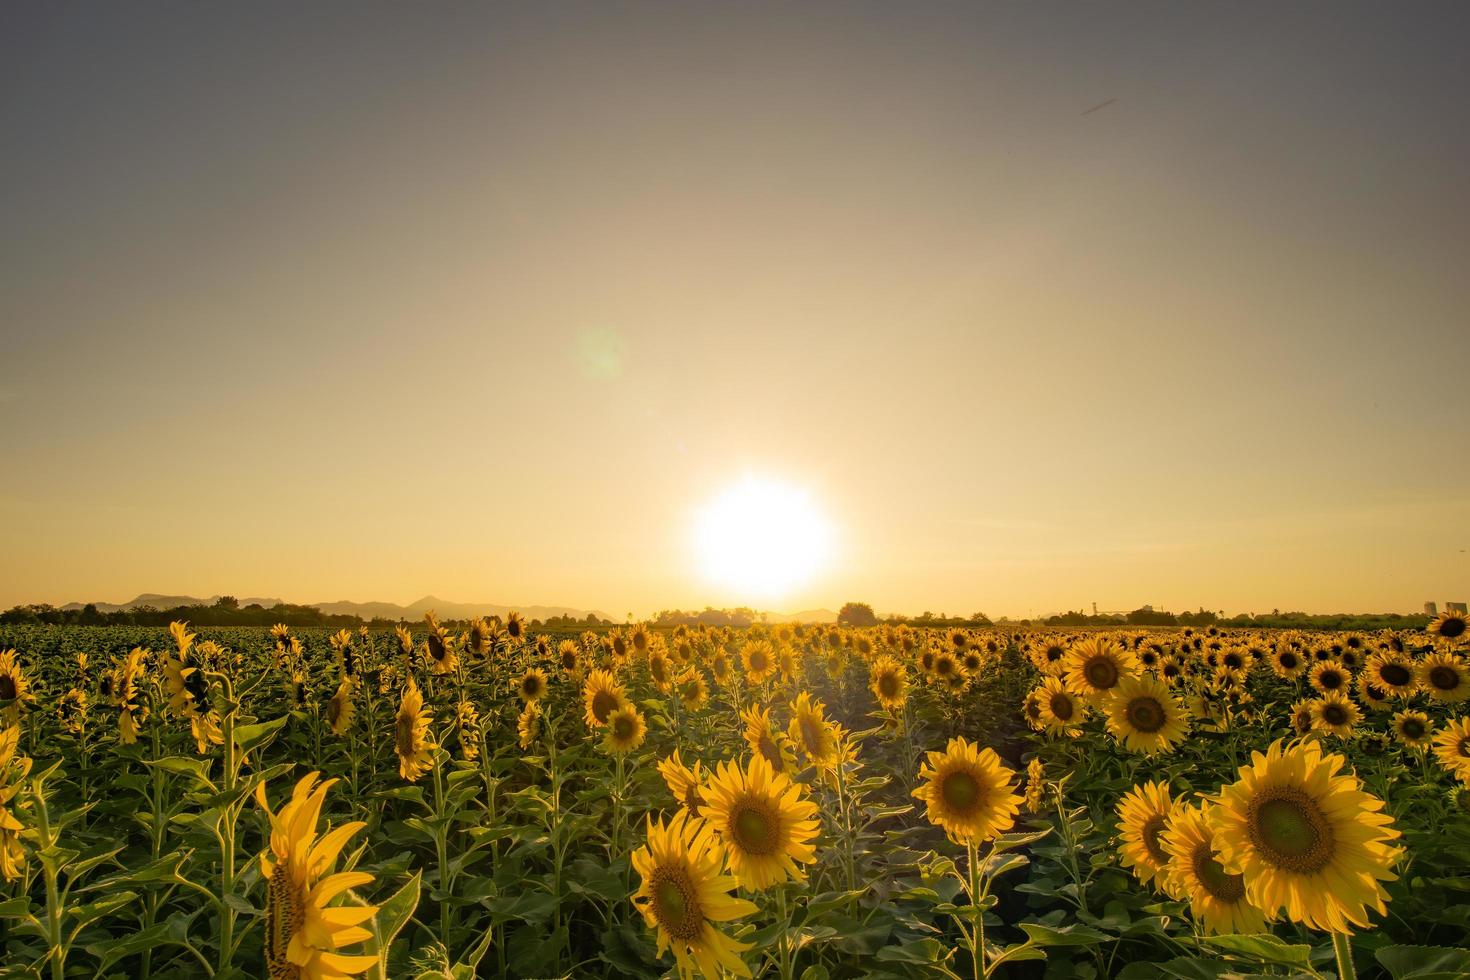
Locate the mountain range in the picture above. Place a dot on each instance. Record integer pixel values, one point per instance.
(415, 610)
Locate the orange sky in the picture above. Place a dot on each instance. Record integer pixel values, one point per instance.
(370, 302)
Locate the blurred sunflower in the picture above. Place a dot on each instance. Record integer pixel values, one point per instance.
(692, 688)
(411, 734)
(341, 710)
(625, 730)
(122, 685)
(758, 661)
(528, 725)
(1217, 897)
(13, 772)
(302, 932)
(810, 730)
(767, 740)
(888, 682)
(683, 782)
(532, 685)
(968, 793)
(1035, 795)
(764, 820)
(1143, 813)
(1144, 715)
(467, 730)
(601, 696)
(13, 689)
(1301, 715)
(569, 656)
(1096, 665)
(1413, 729)
(1445, 677)
(1452, 748)
(1306, 838)
(684, 894)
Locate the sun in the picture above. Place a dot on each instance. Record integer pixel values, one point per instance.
(762, 538)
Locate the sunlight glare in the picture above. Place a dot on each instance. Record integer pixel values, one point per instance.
(762, 538)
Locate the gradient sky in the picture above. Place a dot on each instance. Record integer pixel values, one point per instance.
(369, 301)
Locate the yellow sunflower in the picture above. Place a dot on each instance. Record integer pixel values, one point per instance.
(1287, 663)
(692, 688)
(1049, 655)
(810, 729)
(764, 820)
(683, 782)
(1306, 838)
(13, 689)
(1452, 748)
(303, 933)
(1096, 665)
(601, 696)
(889, 682)
(758, 660)
(1448, 625)
(122, 685)
(13, 772)
(1217, 897)
(340, 709)
(1445, 677)
(1336, 714)
(1374, 698)
(467, 730)
(683, 895)
(442, 657)
(768, 741)
(1391, 672)
(569, 655)
(969, 794)
(1413, 729)
(1143, 812)
(1061, 711)
(1301, 715)
(1035, 795)
(625, 730)
(1145, 716)
(528, 725)
(532, 685)
(1331, 677)
(411, 738)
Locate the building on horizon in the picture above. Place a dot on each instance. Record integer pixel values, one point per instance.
(1431, 609)
(1456, 607)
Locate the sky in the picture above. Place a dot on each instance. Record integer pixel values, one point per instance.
(1040, 304)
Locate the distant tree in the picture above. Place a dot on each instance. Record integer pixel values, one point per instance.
(857, 614)
(90, 616)
(227, 602)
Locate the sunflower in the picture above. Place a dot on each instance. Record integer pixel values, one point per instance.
(693, 689)
(768, 741)
(1391, 672)
(1171, 670)
(1031, 709)
(947, 669)
(1035, 796)
(1287, 663)
(765, 821)
(683, 782)
(1217, 897)
(122, 685)
(625, 730)
(341, 709)
(1452, 748)
(1331, 677)
(684, 894)
(720, 669)
(1061, 711)
(1448, 625)
(302, 933)
(1096, 665)
(569, 657)
(660, 671)
(810, 729)
(889, 682)
(467, 730)
(601, 696)
(442, 657)
(1306, 838)
(969, 793)
(1301, 715)
(1336, 714)
(1445, 676)
(1413, 729)
(71, 711)
(13, 772)
(1145, 716)
(758, 661)
(13, 688)
(532, 685)
(1143, 813)
(1049, 656)
(1374, 698)
(528, 725)
(411, 740)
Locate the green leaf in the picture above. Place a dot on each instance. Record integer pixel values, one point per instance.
(248, 737)
(918, 951)
(1267, 948)
(1424, 962)
(1073, 935)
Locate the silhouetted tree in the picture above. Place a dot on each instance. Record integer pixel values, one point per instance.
(857, 614)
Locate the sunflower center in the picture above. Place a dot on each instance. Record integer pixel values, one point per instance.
(1444, 678)
(1152, 827)
(404, 732)
(675, 905)
(1334, 714)
(1146, 714)
(1291, 832)
(1288, 660)
(753, 826)
(285, 914)
(1394, 675)
(888, 685)
(1221, 885)
(1101, 673)
(531, 686)
(7, 688)
(811, 734)
(1054, 653)
(961, 791)
(1412, 728)
(771, 752)
(1330, 680)
(1061, 706)
(603, 704)
(622, 728)
(1452, 628)
(1464, 748)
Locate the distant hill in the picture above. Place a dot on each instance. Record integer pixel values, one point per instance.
(367, 610)
(806, 616)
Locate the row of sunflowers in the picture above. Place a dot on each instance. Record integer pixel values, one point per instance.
(484, 799)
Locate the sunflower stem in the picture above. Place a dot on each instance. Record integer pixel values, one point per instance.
(977, 898)
(1342, 946)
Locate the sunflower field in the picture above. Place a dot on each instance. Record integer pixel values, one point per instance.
(802, 803)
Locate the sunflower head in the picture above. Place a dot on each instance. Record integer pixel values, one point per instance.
(625, 730)
(765, 821)
(1143, 813)
(1448, 625)
(968, 793)
(1218, 897)
(1145, 716)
